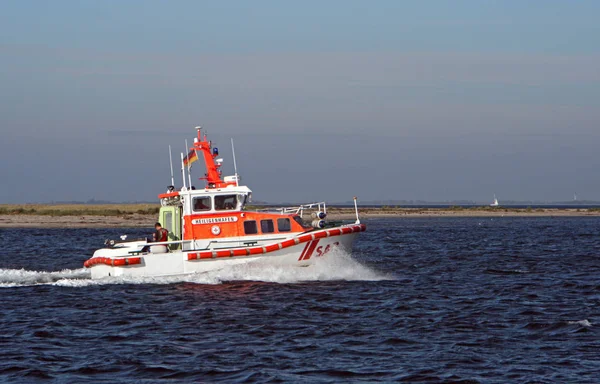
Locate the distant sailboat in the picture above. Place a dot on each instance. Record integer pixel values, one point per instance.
(495, 203)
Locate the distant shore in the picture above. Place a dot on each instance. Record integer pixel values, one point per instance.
(370, 213)
(145, 215)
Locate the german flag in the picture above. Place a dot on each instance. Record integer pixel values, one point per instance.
(190, 158)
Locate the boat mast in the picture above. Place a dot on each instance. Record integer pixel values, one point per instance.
(213, 175)
(234, 164)
(189, 166)
(183, 172)
(171, 162)
(356, 211)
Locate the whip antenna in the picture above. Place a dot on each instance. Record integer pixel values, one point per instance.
(183, 172)
(189, 165)
(356, 211)
(234, 164)
(171, 162)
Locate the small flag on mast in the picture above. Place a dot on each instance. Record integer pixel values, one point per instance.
(190, 158)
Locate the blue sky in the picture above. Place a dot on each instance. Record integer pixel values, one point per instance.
(435, 100)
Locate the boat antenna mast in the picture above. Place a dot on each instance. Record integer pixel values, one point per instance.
(356, 211)
(171, 162)
(189, 165)
(183, 172)
(234, 164)
(210, 154)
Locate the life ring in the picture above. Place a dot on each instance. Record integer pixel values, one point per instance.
(216, 230)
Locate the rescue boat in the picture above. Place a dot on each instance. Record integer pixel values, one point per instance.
(210, 229)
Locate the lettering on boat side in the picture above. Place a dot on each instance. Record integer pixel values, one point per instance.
(215, 220)
(322, 251)
(311, 247)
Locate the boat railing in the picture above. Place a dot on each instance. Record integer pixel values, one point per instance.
(299, 210)
(148, 244)
(171, 242)
(152, 242)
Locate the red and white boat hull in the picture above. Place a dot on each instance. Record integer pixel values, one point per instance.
(299, 250)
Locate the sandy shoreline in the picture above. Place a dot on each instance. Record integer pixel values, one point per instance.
(147, 220)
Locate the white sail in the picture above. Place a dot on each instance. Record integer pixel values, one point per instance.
(495, 203)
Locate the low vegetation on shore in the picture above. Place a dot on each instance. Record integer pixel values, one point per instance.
(79, 209)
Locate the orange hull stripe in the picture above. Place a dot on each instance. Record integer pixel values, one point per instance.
(240, 252)
(347, 230)
(255, 251)
(288, 243)
(305, 238)
(272, 247)
(226, 253)
(117, 262)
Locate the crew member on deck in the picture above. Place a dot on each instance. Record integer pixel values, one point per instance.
(161, 234)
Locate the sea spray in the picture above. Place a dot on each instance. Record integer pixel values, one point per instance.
(336, 266)
(22, 277)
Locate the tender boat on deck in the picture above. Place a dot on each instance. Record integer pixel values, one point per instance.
(210, 229)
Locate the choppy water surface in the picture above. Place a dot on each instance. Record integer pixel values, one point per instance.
(420, 300)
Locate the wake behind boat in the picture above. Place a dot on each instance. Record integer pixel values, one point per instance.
(210, 228)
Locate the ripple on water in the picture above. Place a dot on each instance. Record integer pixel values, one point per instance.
(420, 300)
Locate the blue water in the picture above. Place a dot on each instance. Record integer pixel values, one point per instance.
(469, 300)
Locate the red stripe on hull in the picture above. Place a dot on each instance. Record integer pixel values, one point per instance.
(116, 262)
(311, 249)
(303, 251)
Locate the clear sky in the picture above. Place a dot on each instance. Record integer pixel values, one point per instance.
(386, 99)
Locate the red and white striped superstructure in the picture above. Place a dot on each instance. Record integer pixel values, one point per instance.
(211, 228)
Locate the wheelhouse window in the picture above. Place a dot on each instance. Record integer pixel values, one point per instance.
(266, 226)
(201, 204)
(284, 225)
(250, 227)
(168, 221)
(225, 202)
(299, 220)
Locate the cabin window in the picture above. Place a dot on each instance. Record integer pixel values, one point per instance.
(299, 220)
(266, 226)
(201, 203)
(283, 225)
(225, 202)
(250, 227)
(168, 221)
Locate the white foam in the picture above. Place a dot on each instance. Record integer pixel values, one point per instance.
(583, 323)
(336, 266)
(22, 277)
